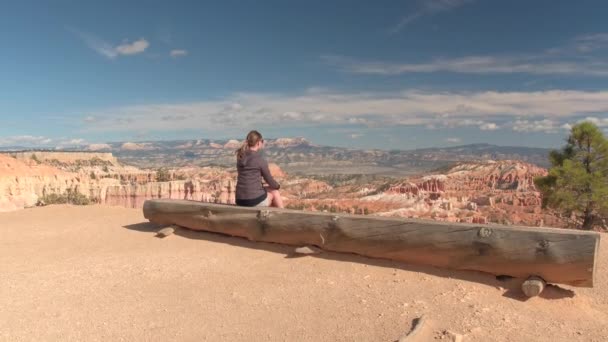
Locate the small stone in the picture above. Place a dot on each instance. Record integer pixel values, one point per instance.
(165, 232)
(475, 330)
(307, 250)
(454, 337)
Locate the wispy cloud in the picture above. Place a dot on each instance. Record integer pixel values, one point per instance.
(489, 126)
(453, 140)
(25, 140)
(133, 48)
(591, 42)
(178, 53)
(488, 110)
(531, 126)
(600, 122)
(576, 57)
(427, 8)
(31, 141)
(111, 51)
(476, 65)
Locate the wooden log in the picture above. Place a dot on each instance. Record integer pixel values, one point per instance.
(533, 286)
(557, 255)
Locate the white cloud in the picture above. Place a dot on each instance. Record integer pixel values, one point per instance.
(428, 7)
(475, 65)
(442, 109)
(453, 140)
(70, 142)
(591, 42)
(178, 53)
(133, 48)
(545, 126)
(25, 140)
(600, 122)
(489, 126)
(108, 50)
(576, 57)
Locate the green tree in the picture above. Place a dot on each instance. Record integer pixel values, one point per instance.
(577, 183)
(163, 175)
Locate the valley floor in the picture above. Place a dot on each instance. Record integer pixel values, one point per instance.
(98, 273)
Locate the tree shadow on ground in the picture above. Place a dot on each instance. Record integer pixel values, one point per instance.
(511, 286)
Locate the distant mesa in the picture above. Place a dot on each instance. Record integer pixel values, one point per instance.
(188, 144)
(99, 147)
(129, 146)
(289, 142)
(215, 145)
(232, 144)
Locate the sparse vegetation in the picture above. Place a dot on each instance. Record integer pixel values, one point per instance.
(163, 175)
(577, 183)
(70, 196)
(35, 158)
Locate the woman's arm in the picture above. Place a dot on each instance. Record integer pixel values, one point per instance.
(267, 175)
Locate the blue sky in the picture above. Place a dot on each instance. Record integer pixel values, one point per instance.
(382, 74)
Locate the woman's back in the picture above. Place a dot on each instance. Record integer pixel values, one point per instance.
(252, 167)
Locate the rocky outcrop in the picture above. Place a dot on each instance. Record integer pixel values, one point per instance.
(134, 196)
(24, 182)
(501, 192)
(475, 193)
(64, 157)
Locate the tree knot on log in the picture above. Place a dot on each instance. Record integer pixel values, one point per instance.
(484, 232)
(543, 247)
(263, 215)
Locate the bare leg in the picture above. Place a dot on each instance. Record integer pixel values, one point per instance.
(269, 197)
(275, 198)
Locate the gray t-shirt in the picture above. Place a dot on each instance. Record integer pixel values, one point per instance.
(251, 169)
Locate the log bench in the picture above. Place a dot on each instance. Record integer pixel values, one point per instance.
(553, 255)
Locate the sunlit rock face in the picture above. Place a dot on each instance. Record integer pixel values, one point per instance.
(472, 192)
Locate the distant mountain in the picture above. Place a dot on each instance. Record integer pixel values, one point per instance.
(297, 155)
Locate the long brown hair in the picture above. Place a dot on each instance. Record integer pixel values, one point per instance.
(252, 139)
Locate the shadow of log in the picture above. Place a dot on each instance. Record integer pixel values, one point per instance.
(148, 227)
(511, 286)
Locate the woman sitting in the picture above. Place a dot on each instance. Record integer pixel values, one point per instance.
(252, 167)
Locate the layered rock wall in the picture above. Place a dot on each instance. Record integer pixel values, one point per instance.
(64, 157)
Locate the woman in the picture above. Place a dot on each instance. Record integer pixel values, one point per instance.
(252, 167)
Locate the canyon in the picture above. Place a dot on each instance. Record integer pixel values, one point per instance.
(470, 191)
(303, 157)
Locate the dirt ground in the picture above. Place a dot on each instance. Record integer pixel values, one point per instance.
(99, 273)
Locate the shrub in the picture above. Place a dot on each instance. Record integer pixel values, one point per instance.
(35, 158)
(163, 175)
(68, 197)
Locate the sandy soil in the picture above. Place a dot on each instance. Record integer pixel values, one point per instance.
(98, 273)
